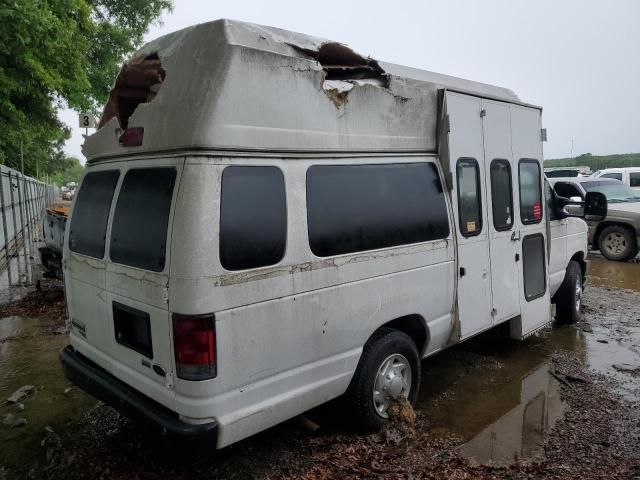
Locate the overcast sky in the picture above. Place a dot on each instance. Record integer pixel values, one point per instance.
(579, 59)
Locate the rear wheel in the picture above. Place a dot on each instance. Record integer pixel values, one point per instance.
(569, 296)
(389, 369)
(617, 243)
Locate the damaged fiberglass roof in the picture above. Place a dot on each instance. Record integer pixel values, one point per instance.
(237, 86)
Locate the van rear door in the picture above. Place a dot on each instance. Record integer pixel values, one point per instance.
(120, 301)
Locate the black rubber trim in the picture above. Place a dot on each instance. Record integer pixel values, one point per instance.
(105, 387)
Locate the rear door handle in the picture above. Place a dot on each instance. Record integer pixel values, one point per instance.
(515, 238)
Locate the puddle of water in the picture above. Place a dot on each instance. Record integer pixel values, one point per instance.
(499, 397)
(496, 394)
(29, 358)
(623, 351)
(614, 274)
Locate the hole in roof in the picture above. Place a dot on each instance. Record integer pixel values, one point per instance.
(138, 82)
(341, 63)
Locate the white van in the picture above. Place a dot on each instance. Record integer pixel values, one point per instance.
(630, 176)
(269, 221)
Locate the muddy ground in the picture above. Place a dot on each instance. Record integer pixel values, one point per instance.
(565, 404)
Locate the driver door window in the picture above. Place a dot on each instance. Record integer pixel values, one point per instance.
(567, 190)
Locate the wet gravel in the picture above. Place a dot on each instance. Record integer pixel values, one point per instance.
(598, 435)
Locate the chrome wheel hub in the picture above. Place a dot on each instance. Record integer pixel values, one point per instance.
(615, 243)
(578, 292)
(393, 381)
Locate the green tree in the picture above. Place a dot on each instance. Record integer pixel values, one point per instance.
(55, 53)
(71, 172)
(597, 162)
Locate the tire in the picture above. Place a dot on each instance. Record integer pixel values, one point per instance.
(617, 243)
(386, 348)
(569, 296)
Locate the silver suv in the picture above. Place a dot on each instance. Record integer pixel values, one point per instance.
(617, 235)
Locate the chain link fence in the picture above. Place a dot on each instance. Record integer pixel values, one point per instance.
(23, 201)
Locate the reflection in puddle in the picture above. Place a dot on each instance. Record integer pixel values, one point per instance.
(519, 432)
(497, 395)
(614, 274)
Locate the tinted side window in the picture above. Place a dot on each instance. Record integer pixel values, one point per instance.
(634, 179)
(530, 194)
(617, 176)
(88, 227)
(253, 217)
(141, 218)
(469, 200)
(501, 195)
(533, 266)
(353, 208)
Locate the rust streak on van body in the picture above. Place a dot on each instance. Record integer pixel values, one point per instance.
(229, 279)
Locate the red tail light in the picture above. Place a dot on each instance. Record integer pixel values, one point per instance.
(132, 137)
(194, 343)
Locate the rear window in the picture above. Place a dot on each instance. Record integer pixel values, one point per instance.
(353, 208)
(141, 218)
(88, 227)
(634, 179)
(253, 217)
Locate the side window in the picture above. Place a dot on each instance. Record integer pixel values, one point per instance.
(530, 194)
(354, 208)
(501, 195)
(533, 266)
(567, 190)
(141, 218)
(253, 217)
(616, 176)
(469, 199)
(88, 227)
(551, 202)
(634, 179)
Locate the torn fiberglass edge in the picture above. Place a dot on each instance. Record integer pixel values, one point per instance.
(138, 82)
(344, 69)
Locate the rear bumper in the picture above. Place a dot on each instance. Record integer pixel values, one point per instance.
(102, 385)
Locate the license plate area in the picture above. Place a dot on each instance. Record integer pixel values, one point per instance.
(133, 329)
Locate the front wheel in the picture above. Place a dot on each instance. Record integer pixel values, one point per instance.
(569, 296)
(389, 369)
(617, 243)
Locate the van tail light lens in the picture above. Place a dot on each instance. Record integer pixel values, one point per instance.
(132, 137)
(194, 343)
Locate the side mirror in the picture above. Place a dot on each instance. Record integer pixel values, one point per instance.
(595, 206)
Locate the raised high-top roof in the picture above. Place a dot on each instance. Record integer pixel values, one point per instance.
(231, 85)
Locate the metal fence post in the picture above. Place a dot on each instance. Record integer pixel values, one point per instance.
(26, 231)
(4, 225)
(15, 226)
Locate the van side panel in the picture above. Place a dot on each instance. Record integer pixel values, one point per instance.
(289, 336)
